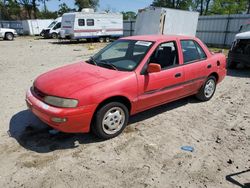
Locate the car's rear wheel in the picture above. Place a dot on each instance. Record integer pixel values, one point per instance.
(207, 90)
(9, 36)
(107, 39)
(110, 120)
(101, 39)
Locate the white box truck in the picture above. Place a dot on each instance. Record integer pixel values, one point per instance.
(156, 20)
(34, 27)
(88, 24)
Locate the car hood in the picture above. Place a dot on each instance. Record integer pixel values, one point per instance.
(65, 81)
(244, 35)
(8, 30)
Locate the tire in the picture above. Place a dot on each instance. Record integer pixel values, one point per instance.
(207, 90)
(231, 64)
(116, 115)
(107, 39)
(54, 35)
(101, 40)
(9, 36)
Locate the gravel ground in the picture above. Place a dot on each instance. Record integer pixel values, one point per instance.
(147, 154)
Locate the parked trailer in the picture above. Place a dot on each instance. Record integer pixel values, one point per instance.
(156, 20)
(89, 24)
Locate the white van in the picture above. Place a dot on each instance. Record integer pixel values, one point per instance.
(53, 30)
(88, 24)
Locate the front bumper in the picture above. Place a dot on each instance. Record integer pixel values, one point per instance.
(78, 119)
(239, 58)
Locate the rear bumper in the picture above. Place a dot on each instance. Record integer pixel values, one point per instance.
(78, 119)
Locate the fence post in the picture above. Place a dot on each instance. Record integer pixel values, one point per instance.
(226, 31)
(131, 27)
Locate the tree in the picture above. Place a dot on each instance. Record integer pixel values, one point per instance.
(44, 4)
(229, 6)
(201, 6)
(27, 5)
(9, 10)
(248, 9)
(63, 8)
(86, 4)
(177, 4)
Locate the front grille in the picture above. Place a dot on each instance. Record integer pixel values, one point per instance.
(38, 93)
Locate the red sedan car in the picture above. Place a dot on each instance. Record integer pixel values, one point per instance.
(128, 76)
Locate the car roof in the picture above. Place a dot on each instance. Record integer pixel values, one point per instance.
(155, 38)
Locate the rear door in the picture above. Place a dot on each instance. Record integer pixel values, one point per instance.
(35, 27)
(166, 85)
(195, 64)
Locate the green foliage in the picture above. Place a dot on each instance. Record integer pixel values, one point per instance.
(45, 14)
(9, 10)
(86, 4)
(63, 8)
(177, 4)
(228, 6)
(129, 15)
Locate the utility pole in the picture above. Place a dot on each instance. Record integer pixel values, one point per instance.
(248, 10)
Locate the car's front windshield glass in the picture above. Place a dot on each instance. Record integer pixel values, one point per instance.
(52, 24)
(245, 28)
(123, 55)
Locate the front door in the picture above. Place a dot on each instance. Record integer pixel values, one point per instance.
(164, 86)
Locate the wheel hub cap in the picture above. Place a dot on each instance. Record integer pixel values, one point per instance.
(209, 88)
(113, 120)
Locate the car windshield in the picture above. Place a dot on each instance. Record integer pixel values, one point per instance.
(52, 24)
(245, 28)
(122, 55)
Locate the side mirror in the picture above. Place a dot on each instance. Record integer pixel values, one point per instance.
(153, 67)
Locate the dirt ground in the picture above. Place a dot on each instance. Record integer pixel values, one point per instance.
(147, 154)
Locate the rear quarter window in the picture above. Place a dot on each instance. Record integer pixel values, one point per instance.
(192, 51)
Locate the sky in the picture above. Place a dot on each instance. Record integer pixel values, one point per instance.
(114, 5)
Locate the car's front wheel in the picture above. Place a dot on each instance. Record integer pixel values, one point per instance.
(110, 120)
(54, 35)
(207, 90)
(9, 36)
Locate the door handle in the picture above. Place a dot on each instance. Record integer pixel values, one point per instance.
(177, 75)
(209, 66)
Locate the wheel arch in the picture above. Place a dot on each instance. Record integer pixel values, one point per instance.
(216, 75)
(7, 33)
(118, 98)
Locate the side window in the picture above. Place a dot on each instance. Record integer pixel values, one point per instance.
(200, 51)
(90, 22)
(81, 22)
(192, 51)
(57, 26)
(165, 55)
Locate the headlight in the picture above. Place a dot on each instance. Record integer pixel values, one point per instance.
(61, 102)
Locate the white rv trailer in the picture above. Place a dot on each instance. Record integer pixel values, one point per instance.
(89, 24)
(156, 20)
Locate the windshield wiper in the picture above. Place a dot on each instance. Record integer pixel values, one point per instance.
(109, 64)
(93, 60)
